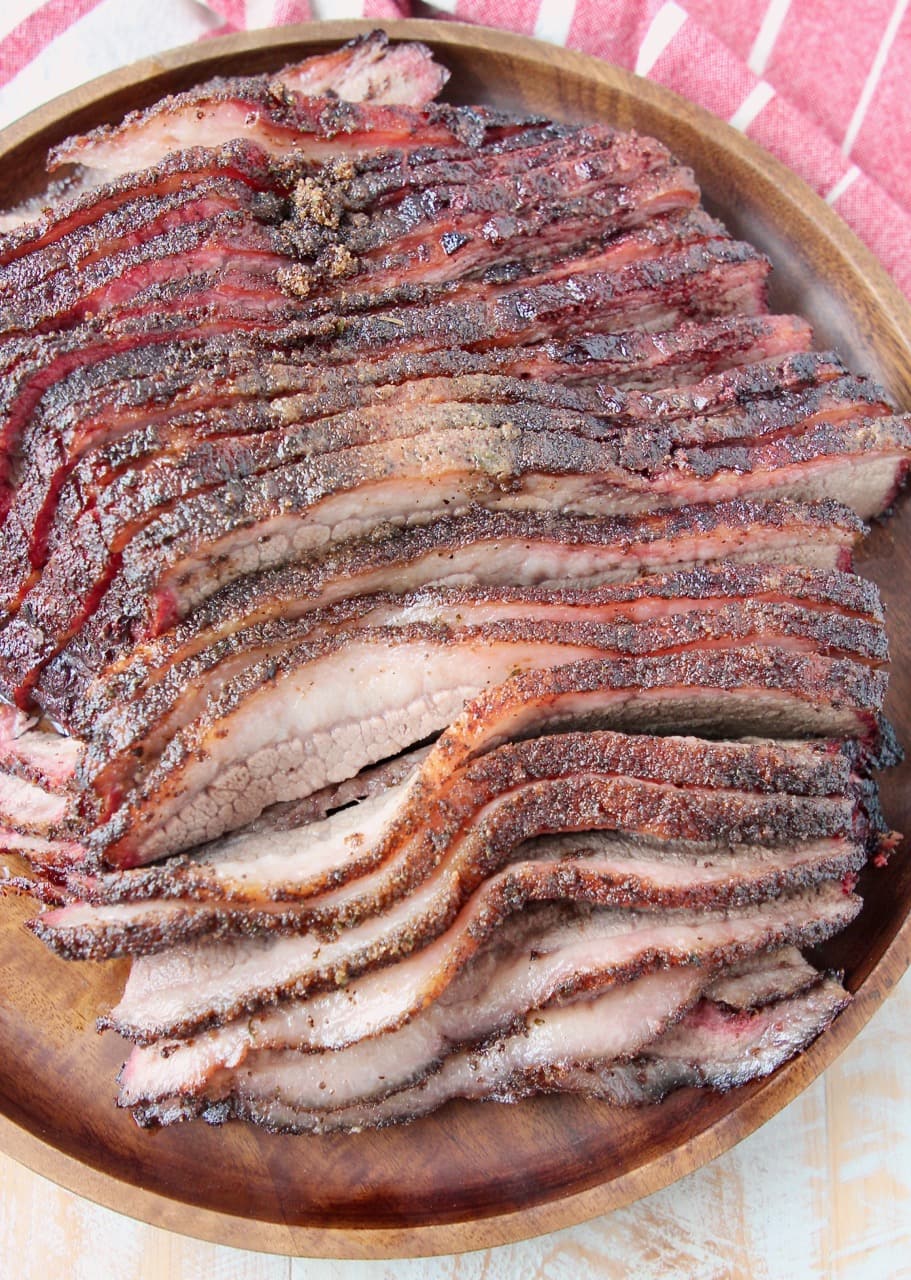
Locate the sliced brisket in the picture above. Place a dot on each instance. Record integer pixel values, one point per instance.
(493, 994)
(286, 515)
(710, 1048)
(282, 121)
(337, 420)
(68, 374)
(163, 707)
(110, 210)
(263, 599)
(292, 724)
(200, 985)
(98, 460)
(479, 549)
(357, 863)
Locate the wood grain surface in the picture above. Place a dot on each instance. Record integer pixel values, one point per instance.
(472, 1176)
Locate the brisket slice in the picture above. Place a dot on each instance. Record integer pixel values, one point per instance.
(406, 74)
(762, 980)
(92, 462)
(229, 231)
(623, 1020)
(802, 694)
(129, 224)
(361, 863)
(51, 859)
(369, 203)
(105, 518)
(651, 597)
(264, 599)
(417, 195)
(375, 172)
(98, 402)
(266, 862)
(174, 457)
(27, 808)
(540, 553)
(31, 366)
(230, 272)
(282, 122)
(562, 1053)
(67, 374)
(58, 865)
(364, 68)
(454, 252)
(482, 548)
(127, 409)
(239, 440)
(227, 241)
(292, 725)
(651, 230)
(421, 676)
(172, 697)
(492, 995)
(289, 514)
(714, 277)
(374, 180)
(109, 210)
(665, 273)
(35, 752)
(369, 69)
(200, 452)
(808, 616)
(717, 1049)
(78, 931)
(199, 985)
(126, 739)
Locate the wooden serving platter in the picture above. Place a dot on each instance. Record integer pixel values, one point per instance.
(472, 1175)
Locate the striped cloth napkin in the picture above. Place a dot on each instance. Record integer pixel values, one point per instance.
(822, 84)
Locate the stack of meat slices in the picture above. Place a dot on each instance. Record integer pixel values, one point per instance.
(504, 914)
(334, 426)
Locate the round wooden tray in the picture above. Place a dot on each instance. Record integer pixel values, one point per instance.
(470, 1176)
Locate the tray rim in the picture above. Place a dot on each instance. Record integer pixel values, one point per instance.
(882, 299)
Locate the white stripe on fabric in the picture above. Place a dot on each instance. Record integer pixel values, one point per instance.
(879, 62)
(767, 35)
(847, 178)
(327, 9)
(555, 17)
(114, 33)
(664, 26)
(446, 6)
(259, 13)
(759, 97)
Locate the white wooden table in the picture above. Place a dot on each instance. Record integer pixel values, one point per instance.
(823, 1190)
